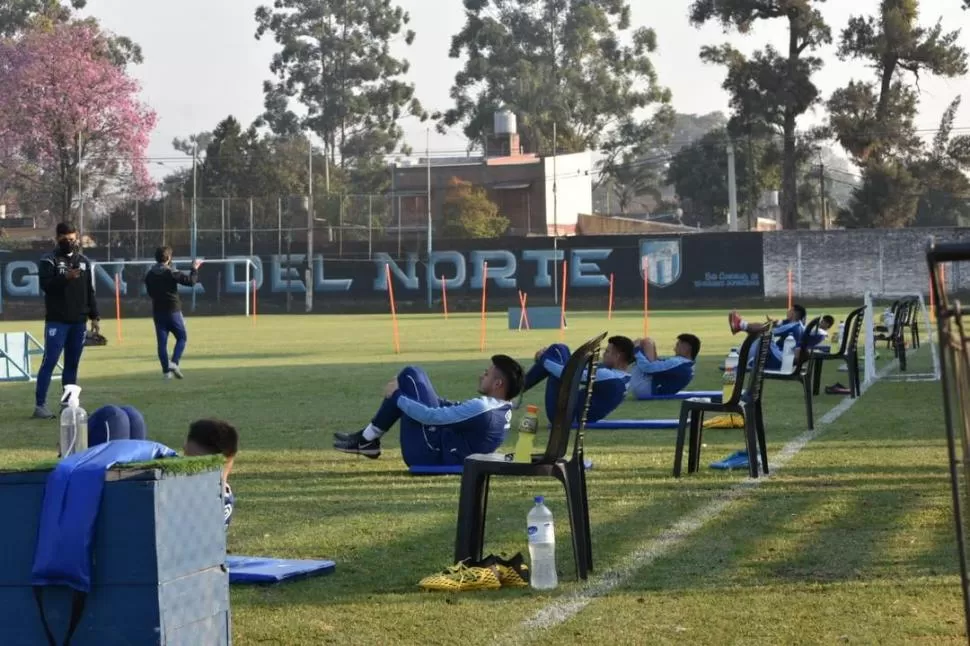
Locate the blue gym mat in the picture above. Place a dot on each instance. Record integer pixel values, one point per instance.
(259, 569)
(455, 469)
(633, 424)
(713, 395)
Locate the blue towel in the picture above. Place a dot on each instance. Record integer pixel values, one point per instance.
(72, 498)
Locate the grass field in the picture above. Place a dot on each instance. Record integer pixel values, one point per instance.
(850, 542)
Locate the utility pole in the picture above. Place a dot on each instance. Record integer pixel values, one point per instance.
(821, 190)
(80, 193)
(732, 190)
(195, 199)
(427, 160)
(555, 218)
(308, 270)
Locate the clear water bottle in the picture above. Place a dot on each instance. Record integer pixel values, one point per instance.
(730, 374)
(841, 332)
(542, 547)
(74, 423)
(788, 354)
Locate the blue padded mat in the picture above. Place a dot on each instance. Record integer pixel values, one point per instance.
(633, 424)
(261, 569)
(435, 470)
(714, 395)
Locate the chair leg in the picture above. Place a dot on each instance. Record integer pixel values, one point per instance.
(575, 523)
(577, 483)
(854, 367)
(472, 500)
(685, 419)
(759, 419)
(809, 409)
(817, 377)
(694, 452)
(751, 442)
(584, 504)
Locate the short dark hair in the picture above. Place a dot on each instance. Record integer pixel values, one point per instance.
(511, 371)
(65, 228)
(163, 254)
(215, 436)
(693, 342)
(828, 319)
(624, 345)
(800, 312)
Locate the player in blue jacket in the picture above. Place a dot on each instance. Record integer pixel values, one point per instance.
(436, 431)
(609, 385)
(653, 375)
(212, 437)
(793, 326)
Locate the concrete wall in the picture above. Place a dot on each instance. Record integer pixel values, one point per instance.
(840, 264)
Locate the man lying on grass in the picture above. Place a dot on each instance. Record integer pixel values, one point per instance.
(793, 325)
(609, 386)
(212, 437)
(653, 375)
(436, 431)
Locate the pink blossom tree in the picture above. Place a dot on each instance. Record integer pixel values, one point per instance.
(69, 117)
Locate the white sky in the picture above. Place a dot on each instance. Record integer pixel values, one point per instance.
(203, 63)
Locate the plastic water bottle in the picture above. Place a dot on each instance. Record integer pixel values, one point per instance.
(888, 318)
(527, 434)
(788, 355)
(542, 547)
(841, 333)
(74, 423)
(730, 376)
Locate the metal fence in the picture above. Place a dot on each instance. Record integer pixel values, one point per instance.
(350, 225)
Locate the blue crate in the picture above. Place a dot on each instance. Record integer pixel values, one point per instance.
(158, 573)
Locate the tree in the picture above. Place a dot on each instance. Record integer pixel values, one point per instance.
(335, 61)
(945, 198)
(876, 118)
(578, 66)
(885, 199)
(469, 213)
(770, 91)
(64, 106)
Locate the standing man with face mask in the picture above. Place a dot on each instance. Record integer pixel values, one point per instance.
(162, 284)
(66, 278)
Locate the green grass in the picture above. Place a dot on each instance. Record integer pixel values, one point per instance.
(851, 542)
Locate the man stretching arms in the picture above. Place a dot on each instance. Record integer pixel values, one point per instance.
(162, 282)
(793, 325)
(437, 431)
(654, 376)
(66, 278)
(609, 386)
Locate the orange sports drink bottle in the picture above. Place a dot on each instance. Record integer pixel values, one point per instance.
(527, 434)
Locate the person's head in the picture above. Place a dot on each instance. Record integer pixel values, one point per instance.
(687, 346)
(797, 313)
(163, 255)
(502, 379)
(211, 437)
(619, 352)
(826, 322)
(66, 236)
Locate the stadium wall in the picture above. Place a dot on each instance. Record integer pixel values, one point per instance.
(686, 270)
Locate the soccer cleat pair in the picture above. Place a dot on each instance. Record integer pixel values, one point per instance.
(491, 573)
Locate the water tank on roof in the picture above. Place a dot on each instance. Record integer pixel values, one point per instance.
(505, 122)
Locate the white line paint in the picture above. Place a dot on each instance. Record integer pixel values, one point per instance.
(568, 606)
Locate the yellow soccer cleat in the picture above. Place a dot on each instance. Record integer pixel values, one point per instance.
(512, 573)
(462, 578)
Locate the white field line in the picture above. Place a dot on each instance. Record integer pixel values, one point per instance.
(568, 606)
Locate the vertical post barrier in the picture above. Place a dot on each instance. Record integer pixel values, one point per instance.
(390, 295)
(645, 267)
(253, 283)
(118, 307)
(609, 305)
(481, 335)
(562, 304)
(444, 297)
(524, 310)
(248, 282)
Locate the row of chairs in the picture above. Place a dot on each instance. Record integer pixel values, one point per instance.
(576, 386)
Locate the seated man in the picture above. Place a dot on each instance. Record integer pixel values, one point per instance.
(609, 386)
(793, 325)
(435, 431)
(209, 437)
(654, 376)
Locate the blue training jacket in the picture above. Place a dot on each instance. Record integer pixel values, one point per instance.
(664, 376)
(609, 389)
(476, 425)
(72, 498)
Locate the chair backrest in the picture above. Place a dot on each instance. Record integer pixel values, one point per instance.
(804, 351)
(575, 390)
(853, 328)
(744, 371)
(901, 316)
(756, 376)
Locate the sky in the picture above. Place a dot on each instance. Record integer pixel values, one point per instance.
(203, 63)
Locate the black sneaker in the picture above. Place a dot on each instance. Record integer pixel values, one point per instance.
(342, 437)
(357, 445)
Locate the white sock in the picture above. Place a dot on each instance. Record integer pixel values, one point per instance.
(372, 433)
(743, 325)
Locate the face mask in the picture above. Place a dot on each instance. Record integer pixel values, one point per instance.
(67, 247)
